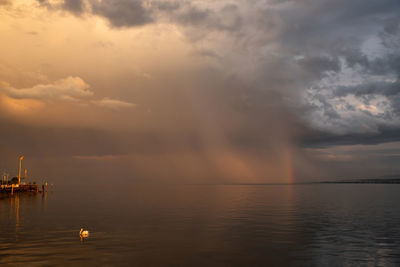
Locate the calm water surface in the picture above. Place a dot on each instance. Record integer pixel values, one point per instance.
(154, 225)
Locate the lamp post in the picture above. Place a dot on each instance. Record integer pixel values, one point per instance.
(19, 171)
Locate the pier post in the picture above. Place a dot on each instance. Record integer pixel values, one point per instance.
(19, 169)
(12, 189)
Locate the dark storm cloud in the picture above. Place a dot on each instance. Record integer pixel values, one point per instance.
(318, 65)
(317, 139)
(202, 19)
(131, 13)
(388, 89)
(122, 13)
(119, 13)
(74, 6)
(167, 5)
(206, 53)
(333, 28)
(194, 16)
(329, 37)
(392, 26)
(46, 4)
(311, 20)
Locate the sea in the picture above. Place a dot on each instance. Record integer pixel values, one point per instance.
(203, 225)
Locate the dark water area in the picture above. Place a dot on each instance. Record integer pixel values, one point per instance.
(224, 225)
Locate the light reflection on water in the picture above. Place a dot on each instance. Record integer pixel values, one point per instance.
(300, 225)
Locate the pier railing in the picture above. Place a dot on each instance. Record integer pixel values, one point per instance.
(19, 188)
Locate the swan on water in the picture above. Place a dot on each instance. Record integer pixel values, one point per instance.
(84, 233)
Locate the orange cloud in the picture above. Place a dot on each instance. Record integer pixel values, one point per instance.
(67, 89)
(11, 105)
(113, 103)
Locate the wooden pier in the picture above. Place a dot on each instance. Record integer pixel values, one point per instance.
(15, 184)
(13, 188)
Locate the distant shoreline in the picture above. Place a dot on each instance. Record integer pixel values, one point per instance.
(364, 181)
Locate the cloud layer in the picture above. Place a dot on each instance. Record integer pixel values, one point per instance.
(70, 89)
(113, 103)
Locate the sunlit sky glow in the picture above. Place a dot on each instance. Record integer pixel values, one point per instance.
(200, 91)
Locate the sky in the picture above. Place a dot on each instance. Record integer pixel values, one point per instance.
(256, 91)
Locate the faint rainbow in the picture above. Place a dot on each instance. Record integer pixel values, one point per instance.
(288, 165)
